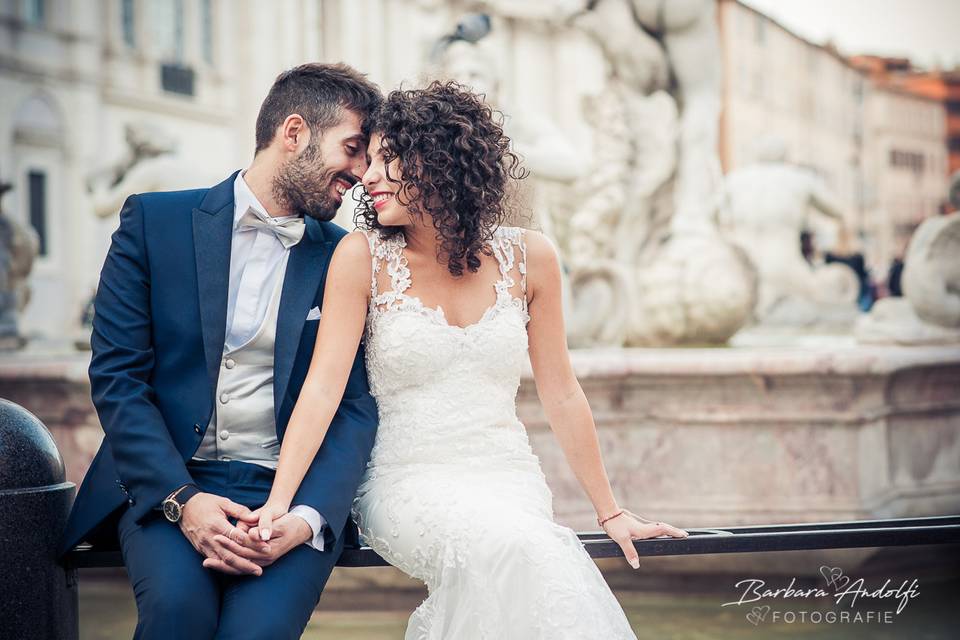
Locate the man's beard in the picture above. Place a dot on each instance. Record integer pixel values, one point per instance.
(303, 186)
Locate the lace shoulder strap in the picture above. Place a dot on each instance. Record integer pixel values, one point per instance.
(389, 252)
(373, 239)
(505, 240)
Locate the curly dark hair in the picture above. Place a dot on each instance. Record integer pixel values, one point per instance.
(456, 166)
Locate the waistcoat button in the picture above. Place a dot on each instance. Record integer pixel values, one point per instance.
(224, 434)
(230, 363)
(224, 398)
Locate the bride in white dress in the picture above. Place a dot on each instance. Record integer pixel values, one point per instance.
(450, 304)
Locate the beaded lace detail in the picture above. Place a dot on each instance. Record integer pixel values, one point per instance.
(389, 253)
(453, 494)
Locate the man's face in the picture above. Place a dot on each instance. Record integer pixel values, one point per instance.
(313, 182)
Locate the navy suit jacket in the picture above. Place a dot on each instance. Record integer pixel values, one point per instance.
(158, 335)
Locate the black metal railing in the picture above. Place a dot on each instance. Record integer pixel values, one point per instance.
(744, 539)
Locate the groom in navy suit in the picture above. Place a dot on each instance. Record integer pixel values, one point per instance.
(206, 318)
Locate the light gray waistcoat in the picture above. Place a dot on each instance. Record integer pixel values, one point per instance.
(243, 426)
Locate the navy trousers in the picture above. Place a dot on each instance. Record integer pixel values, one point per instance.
(178, 598)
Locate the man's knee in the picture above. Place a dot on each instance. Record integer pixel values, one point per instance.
(175, 612)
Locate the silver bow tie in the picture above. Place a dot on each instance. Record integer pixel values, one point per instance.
(288, 232)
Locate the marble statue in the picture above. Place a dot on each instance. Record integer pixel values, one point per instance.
(931, 271)
(767, 205)
(150, 162)
(929, 311)
(648, 265)
(19, 247)
(686, 52)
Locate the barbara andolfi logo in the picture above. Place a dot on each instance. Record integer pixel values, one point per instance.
(879, 603)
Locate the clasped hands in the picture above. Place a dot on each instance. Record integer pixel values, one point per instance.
(241, 548)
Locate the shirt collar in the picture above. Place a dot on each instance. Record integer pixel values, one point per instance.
(243, 199)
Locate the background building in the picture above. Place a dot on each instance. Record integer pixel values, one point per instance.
(880, 145)
(89, 88)
(905, 154)
(775, 82)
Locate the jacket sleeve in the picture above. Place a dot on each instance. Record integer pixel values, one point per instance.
(331, 481)
(147, 462)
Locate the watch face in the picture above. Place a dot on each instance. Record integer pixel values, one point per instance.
(171, 510)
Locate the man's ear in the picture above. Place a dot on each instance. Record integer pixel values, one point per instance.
(294, 133)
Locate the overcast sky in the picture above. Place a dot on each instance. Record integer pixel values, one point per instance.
(927, 31)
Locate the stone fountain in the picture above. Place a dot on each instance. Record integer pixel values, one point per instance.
(663, 251)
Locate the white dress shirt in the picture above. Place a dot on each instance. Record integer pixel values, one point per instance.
(257, 260)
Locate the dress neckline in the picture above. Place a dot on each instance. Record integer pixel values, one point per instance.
(391, 251)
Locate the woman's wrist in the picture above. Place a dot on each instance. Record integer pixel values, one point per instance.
(278, 503)
(608, 513)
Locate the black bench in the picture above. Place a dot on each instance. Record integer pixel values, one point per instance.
(771, 537)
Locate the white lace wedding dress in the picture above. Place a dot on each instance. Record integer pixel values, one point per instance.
(453, 494)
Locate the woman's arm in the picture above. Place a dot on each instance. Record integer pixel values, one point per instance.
(563, 399)
(345, 300)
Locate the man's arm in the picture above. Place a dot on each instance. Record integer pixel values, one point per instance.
(147, 462)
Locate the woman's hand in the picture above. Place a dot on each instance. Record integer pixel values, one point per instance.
(265, 515)
(628, 526)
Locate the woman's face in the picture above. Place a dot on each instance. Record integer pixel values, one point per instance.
(390, 212)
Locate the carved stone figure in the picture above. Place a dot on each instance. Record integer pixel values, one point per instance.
(644, 221)
(931, 271)
(19, 246)
(686, 50)
(929, 312)
(767, 205)
(149, 163)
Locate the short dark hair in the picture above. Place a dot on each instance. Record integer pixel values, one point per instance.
(318, 92)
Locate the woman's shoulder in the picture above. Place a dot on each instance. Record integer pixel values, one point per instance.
(537, 246)
(354, 250)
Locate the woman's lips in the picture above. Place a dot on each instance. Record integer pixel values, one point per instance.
(381, 198)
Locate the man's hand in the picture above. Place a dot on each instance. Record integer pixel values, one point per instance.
(205, 517)
(288, 531)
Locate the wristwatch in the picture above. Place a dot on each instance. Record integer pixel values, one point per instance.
(173, 505)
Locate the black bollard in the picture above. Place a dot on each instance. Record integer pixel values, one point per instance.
(38, 597)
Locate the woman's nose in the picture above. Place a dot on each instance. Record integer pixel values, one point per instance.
(369, 177)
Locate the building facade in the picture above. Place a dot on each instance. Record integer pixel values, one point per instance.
(102, 98)
(881, 147)
(87, 87)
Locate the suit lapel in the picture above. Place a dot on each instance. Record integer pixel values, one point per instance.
(305, 269)
(212, 237)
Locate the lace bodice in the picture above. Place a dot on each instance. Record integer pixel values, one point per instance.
(439, 387)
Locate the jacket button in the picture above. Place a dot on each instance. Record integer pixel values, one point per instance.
(131, 502)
